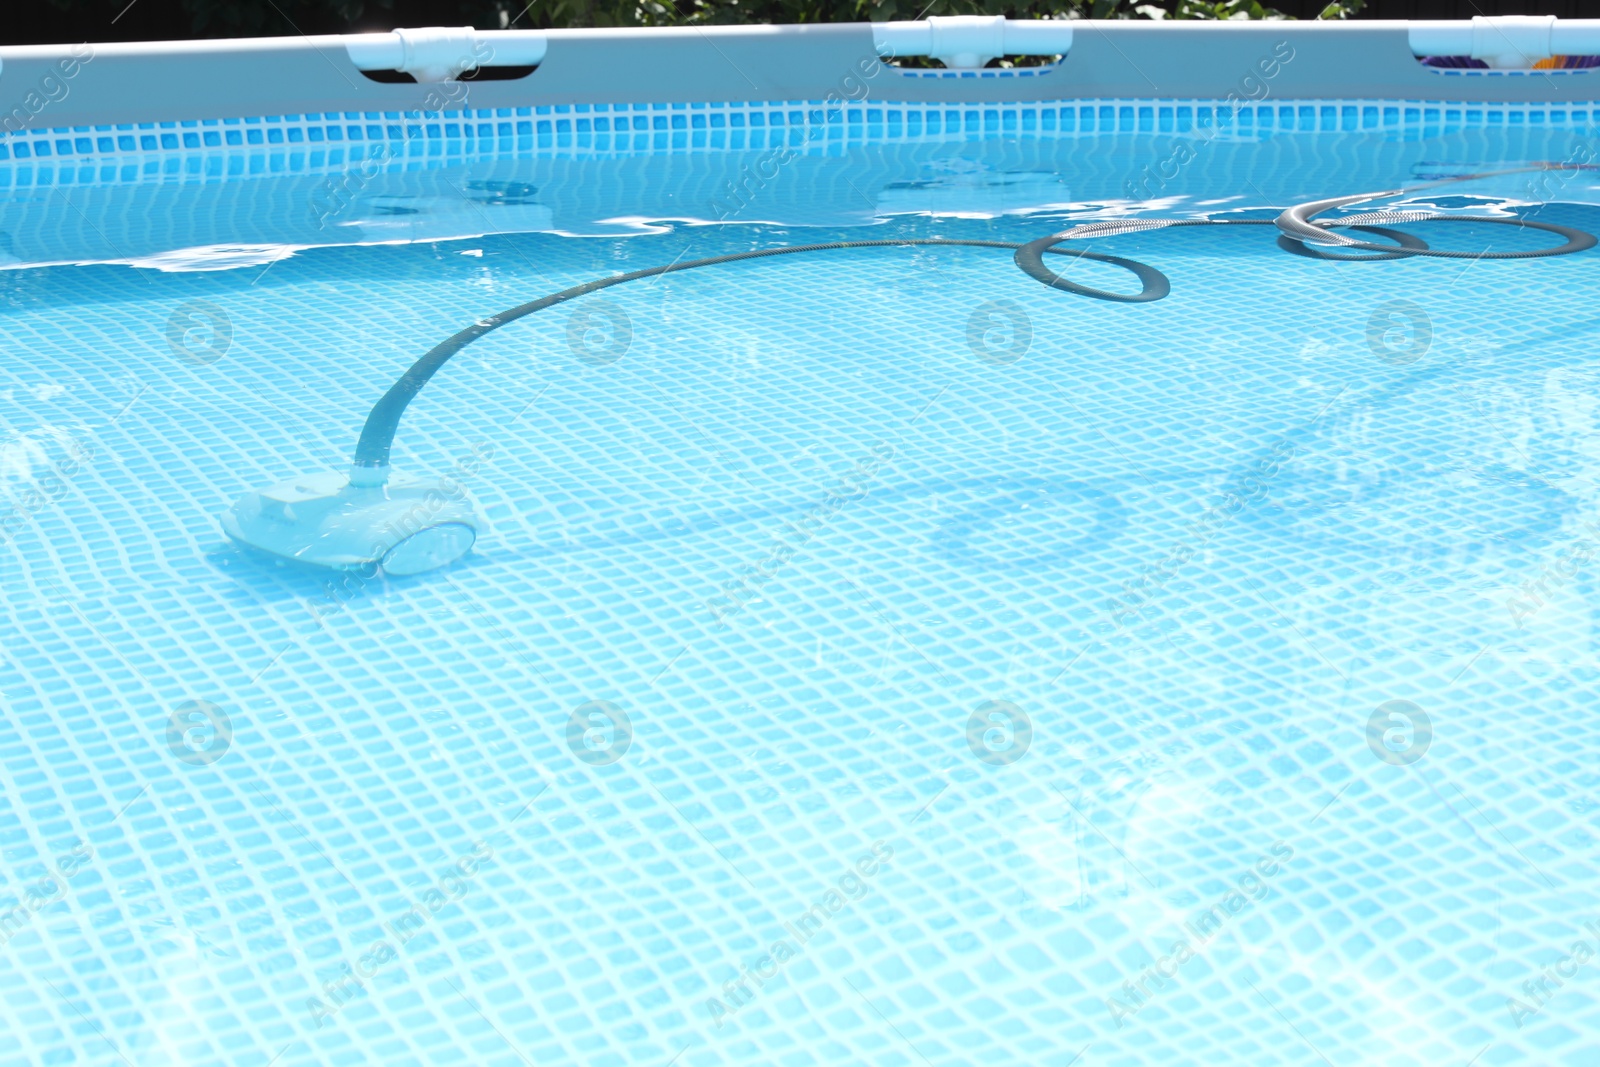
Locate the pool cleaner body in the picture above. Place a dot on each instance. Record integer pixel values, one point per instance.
(355, 521)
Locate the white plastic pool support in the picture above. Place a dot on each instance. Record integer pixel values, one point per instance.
(404, 525)
(444, 53)
(966, 42)
(1507, 42)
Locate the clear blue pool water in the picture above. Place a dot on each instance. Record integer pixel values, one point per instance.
(840, 612)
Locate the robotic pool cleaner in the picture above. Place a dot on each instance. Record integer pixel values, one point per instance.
(405, 525)
(372, 518)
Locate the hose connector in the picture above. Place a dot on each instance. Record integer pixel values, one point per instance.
(368, 477)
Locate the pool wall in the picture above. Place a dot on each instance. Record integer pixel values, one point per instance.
(89, 85)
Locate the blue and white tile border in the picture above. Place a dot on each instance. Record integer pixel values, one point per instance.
(219, 149)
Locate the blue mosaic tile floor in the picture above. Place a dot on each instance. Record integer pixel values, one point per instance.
(853, 674)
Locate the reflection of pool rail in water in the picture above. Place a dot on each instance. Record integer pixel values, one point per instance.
(342, 524)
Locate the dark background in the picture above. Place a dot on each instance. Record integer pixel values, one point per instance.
(1465, 9)
(63, 21)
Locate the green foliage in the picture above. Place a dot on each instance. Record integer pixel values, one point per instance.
(216, 18)
(240, 18)
(727, 12)
(1342, 9)
(1227, 10)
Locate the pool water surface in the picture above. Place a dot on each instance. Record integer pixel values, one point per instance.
(875, 656)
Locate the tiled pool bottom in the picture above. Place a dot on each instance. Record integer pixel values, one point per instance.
(795, 710)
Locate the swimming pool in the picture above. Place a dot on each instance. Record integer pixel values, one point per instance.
(870, 655)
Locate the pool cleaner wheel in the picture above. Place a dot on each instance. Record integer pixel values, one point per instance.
(366, 520)
(430, 548)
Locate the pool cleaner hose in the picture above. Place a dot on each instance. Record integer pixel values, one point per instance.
(409, 525)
